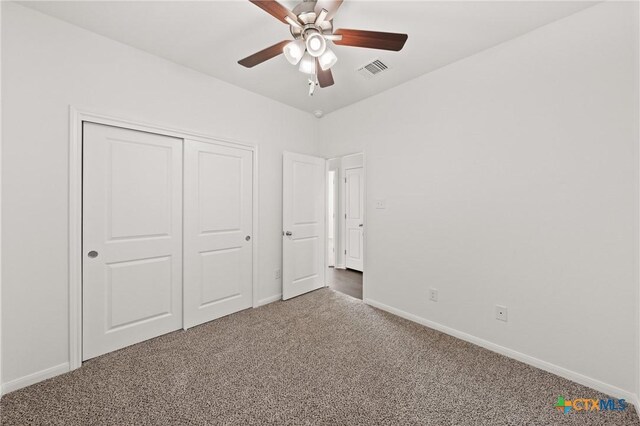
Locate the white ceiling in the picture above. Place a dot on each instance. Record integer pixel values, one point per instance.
(211, 36)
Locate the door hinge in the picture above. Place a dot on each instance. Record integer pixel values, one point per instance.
(345, 215)
(345, 180)
(345, 252)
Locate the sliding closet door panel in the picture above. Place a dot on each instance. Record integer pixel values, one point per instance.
(132, 237)
(218, 240)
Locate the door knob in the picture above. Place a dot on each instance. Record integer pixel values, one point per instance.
(288, 233)
(247, 238)
(92, 254)
(361, 225)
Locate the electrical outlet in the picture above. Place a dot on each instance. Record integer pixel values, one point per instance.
(501, 313)
(381, 204)
(433, 294)
(277, 274)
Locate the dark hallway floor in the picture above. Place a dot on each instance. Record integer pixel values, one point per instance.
(346, 281)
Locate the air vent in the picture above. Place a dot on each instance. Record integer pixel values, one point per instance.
(373, 68)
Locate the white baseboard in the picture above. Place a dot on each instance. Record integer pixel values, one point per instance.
(36, 377)
(268, 300)
(535, 362)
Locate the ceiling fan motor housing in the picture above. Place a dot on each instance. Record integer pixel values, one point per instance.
(307, 15)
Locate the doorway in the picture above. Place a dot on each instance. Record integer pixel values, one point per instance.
(346, 224)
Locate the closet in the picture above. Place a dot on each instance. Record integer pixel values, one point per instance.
(167, 235)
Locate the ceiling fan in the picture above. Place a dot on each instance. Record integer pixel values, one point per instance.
(311, 26)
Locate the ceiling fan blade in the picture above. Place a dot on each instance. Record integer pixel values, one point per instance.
(330, 6)
(263, 55)
(371, 39)
(325, 78)
(275, 9)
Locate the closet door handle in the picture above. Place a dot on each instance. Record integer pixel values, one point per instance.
(247, 238)
(92, 254)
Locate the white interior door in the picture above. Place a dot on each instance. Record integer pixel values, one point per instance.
(132, 237)
(218, 240)
(354, 218)
(303, 220)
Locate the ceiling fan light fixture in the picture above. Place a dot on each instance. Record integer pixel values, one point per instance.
(327, 59)
(294, 51)
(307, 64)
(316, 44)
(312, 27)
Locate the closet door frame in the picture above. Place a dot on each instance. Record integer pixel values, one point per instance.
(76, 118)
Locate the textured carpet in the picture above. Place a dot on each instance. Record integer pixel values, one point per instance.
(322, 358)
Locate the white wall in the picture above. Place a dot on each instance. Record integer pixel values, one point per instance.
(48, 65)
(331, 216)
(333, 164)
(511, 177)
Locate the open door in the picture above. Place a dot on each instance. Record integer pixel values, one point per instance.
(303, 221)
(354, 220)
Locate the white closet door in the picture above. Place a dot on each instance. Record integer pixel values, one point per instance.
(303, 216)
(354, 218)
(218, 240)
(132, 237)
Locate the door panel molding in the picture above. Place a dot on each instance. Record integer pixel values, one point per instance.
(76, 118)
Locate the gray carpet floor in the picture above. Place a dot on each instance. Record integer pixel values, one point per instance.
(323, 358)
